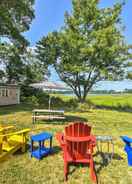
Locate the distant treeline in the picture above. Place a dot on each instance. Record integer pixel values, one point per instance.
(99, 92)
(110, 91)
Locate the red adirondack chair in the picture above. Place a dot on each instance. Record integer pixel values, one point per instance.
(77, 144)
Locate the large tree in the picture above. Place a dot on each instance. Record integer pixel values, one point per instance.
(15, 18)
(16, 62)
(89, 48)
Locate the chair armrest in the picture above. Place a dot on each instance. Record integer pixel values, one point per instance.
(25, 131)
(60, 138)
(2, 129)
(126, 139)
(90, 138)
(92, 143)
(93, 140)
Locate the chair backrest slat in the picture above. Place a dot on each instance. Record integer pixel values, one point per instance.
(79, 129)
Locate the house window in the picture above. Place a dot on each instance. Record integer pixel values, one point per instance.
(4, 92)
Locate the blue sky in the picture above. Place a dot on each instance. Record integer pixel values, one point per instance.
(50, 16)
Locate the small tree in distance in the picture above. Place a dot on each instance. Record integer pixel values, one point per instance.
(89, 48)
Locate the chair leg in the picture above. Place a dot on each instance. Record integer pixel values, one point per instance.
(24, 144)
(92, 171)
(65, 171)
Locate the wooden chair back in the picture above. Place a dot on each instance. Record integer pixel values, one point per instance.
(77, 145)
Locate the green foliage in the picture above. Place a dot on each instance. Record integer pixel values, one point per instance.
(129, 64)
(42, 97)
(24, 68)
(2, 75)
(32, 100)
(89, 48)
(71, 104)
(19, 63)
(28, 92)
(128, 90)
(34, 70)
(85, 106)
(15, 18)
(13, 65)
(129, 75)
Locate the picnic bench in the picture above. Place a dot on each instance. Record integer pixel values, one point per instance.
(47, 114)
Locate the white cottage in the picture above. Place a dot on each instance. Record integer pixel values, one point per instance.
(9, 94)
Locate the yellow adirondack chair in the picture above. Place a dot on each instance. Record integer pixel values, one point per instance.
(11, 142)
(4, 129)
(1, 140)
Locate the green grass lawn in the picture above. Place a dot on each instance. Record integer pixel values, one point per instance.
(21, 169)
(113, 101)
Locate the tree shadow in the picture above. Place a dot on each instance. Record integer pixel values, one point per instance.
(77, 166)
(105, 160)
(55, 150)
(119, 107)
(4, 110)
(68, 119)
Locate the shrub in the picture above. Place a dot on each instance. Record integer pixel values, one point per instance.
(72, 104)
(32, 100)
(43, 98)
(57, 102)
(27, 91)
(84, 107)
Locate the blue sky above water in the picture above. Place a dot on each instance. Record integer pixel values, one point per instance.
(50, 16)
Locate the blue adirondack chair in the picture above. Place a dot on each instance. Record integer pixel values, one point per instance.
(128, 148)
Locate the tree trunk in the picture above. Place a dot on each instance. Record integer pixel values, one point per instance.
(81, 96)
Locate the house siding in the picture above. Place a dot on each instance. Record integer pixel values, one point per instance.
(9, 95)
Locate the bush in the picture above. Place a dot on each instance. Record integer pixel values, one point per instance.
(57, 102)
(72, 104)
(31, 94)
(84, 107)
(42, 97)
(27, 91)
(32, 100)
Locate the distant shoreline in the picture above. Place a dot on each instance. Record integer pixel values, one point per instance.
(101, 94)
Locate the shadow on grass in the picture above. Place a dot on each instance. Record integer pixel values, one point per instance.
(4, 110)
(105, 160)
(67, 120)
(79, 165)
(55, 150)
(10, 109)
(119, 107)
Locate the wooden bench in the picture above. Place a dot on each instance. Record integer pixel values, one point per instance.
(46, 114)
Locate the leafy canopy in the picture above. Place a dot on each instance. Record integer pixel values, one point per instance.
(20, 67)
(18, 63)
(15, 18)
(89, 48)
